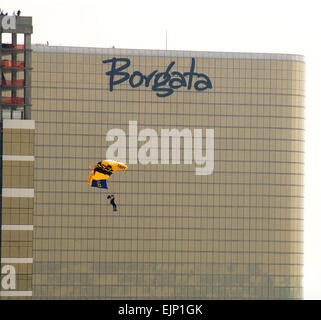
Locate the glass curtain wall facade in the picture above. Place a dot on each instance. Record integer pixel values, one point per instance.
(236, 233)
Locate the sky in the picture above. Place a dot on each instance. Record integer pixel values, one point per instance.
(274, 26)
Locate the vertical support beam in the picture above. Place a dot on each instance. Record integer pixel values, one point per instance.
(0, 138)
(13, 59)
(1, 153)
(13, 71)
(27, 76)
(1, 75)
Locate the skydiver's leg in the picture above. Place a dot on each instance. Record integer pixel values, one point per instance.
(112, 202)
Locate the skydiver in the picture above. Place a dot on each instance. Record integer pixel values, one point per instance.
(112, 201)
(102, 172)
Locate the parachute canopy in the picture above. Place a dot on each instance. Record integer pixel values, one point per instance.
(102, 171)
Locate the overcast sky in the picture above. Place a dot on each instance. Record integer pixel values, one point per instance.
(272, 26)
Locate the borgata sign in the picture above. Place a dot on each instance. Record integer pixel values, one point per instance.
(163, 83)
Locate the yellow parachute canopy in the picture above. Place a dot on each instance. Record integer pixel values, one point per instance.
(102, 171)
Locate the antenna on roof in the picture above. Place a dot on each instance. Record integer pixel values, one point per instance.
(166, 40)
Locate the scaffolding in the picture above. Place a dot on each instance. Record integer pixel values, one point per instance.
(15, 69)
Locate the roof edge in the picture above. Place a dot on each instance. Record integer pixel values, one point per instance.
(167, 53)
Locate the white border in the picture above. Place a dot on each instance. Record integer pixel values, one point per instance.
(9, 293)
(17, 227)
(18, 193)
(18, 158)
(16, 260)
(18, 124)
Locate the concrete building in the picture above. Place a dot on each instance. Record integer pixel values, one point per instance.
(189, 225)
(16, 158)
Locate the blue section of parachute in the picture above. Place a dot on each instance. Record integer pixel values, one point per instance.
(99, 184)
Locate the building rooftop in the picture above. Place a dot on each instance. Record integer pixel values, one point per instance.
(167, 53)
